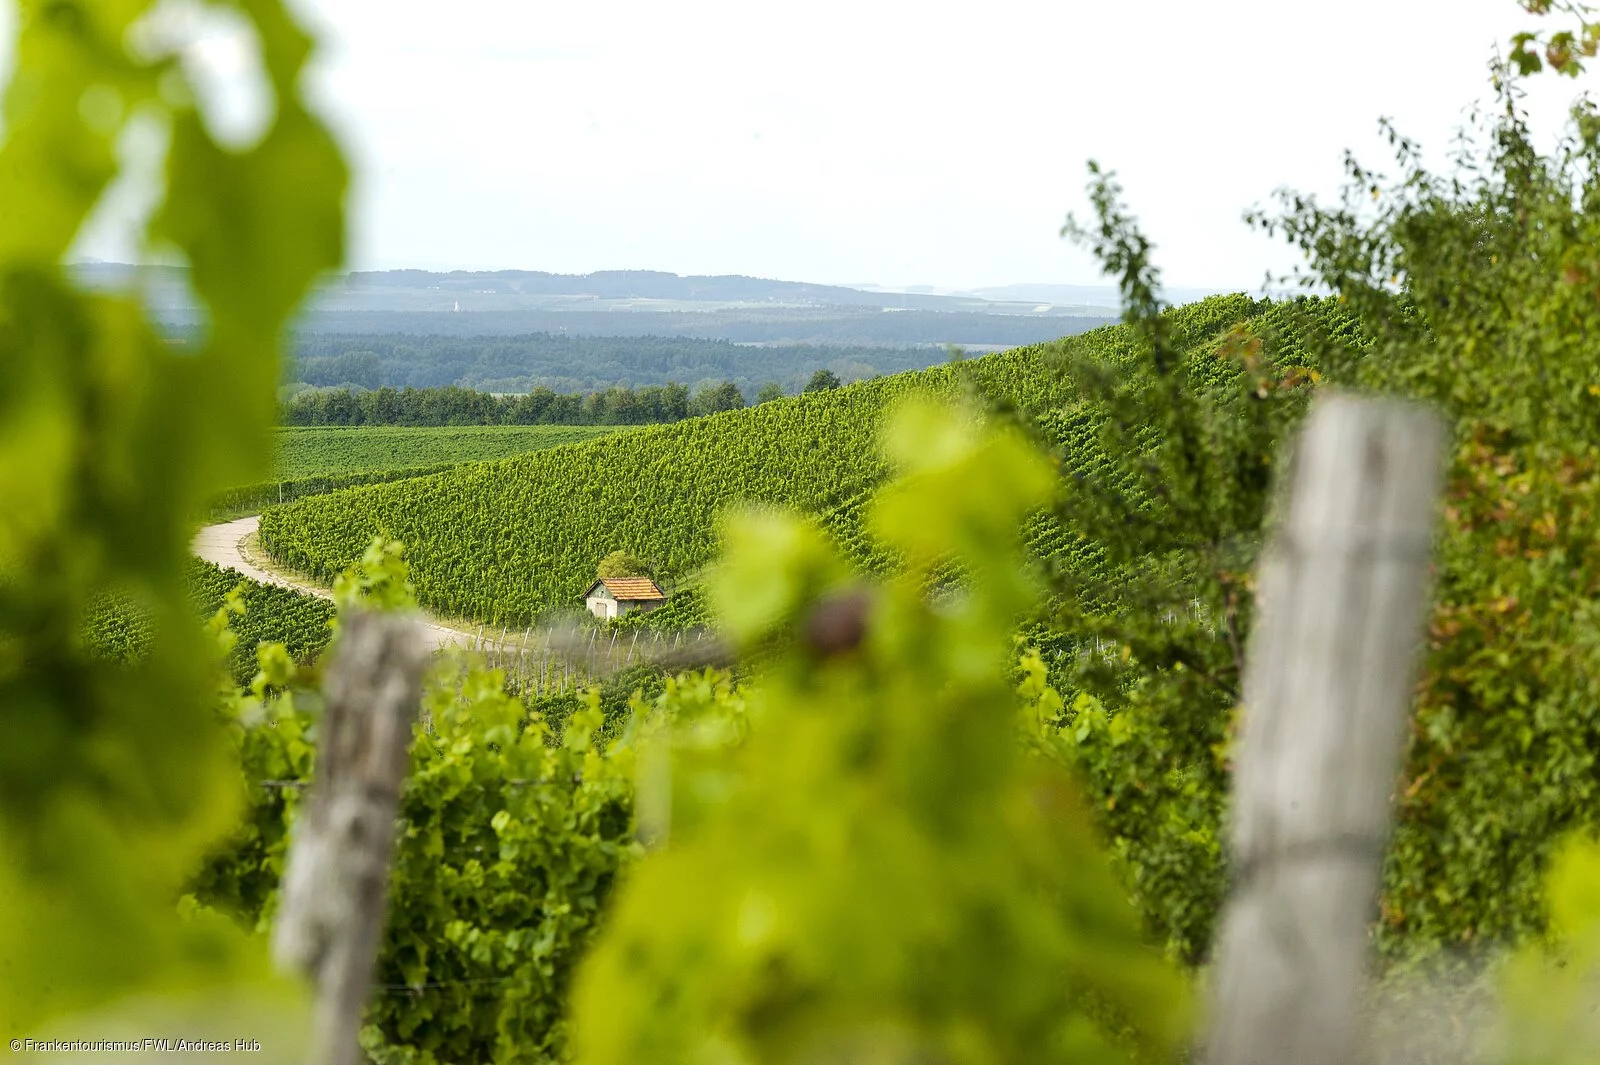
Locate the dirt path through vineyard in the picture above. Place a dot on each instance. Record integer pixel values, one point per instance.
(233, 545)
(570, 655)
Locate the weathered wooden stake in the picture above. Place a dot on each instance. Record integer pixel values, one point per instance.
(336, 879)
(1342, 594)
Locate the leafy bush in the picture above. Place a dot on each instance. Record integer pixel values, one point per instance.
(1476, 293)
(510, 839)
(822, 380)
(509, 847)
(622, 563)
(1479, 293)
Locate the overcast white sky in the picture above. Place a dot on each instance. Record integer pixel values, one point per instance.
(870, 140)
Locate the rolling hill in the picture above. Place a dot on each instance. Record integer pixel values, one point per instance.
(332, 450)
(509, 541)
(313, 460)
(628, 303)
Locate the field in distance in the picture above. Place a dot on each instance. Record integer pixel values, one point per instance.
(332, 451)
(316, 460)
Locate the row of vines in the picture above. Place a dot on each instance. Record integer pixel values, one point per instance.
(314, 461)
(321, 452)
(118, 629)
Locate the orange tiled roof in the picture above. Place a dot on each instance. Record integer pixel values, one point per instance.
(632, 588)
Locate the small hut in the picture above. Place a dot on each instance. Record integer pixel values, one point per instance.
(612, 597)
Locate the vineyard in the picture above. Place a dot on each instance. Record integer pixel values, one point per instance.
(1053, 708)
(321, 452)
(271, 615)
(510, 542)
(313, 461)
(118, 629)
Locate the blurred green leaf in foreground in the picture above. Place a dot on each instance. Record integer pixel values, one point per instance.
(114, 777)
(871, 866)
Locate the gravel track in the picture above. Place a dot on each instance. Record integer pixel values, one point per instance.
(232, 545)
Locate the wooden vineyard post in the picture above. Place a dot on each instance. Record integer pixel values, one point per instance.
(336, 878)
(1343, 586)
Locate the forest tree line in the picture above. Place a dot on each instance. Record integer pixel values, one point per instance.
(581, 363)
(866, 330)
(451, 405)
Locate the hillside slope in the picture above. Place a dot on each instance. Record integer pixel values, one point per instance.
(117, 628)
(331, 451)
(314, 460)
(508, 541)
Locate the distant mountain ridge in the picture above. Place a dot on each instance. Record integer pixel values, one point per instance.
(400, 290)
(620, 284)
(635, 303)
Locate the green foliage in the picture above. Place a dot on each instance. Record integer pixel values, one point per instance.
(715, 398)
(508, 851)
(1168, 445)
(622, 563)
(1476, 293)
(1479, 292)
(118, 630)
(822, 380)
(1563, 50)
(552, 514)
(114, 775)
(464, 408)
(770, 391)
(615, 693)
(1548, 988)
(275, 739)
(115, 629)
(381, 580)
(510, 840)
(461, 407)
(862, 863)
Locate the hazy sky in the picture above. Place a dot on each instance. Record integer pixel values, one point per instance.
(867, 141)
